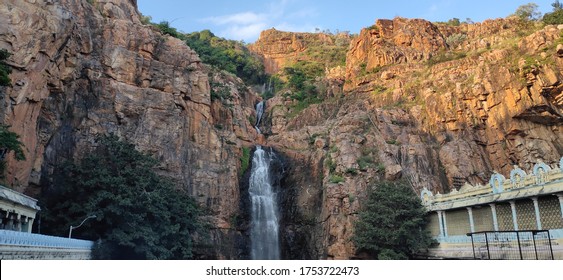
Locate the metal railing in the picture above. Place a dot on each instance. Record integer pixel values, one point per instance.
(512, 245)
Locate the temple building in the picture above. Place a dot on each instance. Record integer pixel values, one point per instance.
(17, 210)
(524, 202)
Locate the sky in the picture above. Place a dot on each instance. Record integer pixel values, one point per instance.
(244, 20)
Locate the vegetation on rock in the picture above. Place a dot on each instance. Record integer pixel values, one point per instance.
(229, 55)
(140, 214)
(9, 141)
(4, 68)
(165, 28)
(555, 17)
(528, 12)
(244, 160)
(392, 224)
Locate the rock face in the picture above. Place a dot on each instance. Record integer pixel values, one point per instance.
(280, 49)
(439, 106)
(395, 41)
(84, 69)
(436, 105)
(497, 101)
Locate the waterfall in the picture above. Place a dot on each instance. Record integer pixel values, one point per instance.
(259, 113)
(264, 227)
(270, 85)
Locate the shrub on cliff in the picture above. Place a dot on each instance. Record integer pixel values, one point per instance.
(140, 215)
(228, 55)
(9, 141)
(528, 12)
(392, 223)
(4, 68)
(555, 17)
(165, 28)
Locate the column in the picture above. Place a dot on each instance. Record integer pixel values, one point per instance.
(537, 210)
(560, 196)
(18, 222)
(514, 219)
(29, 224)
(440, 222)
(2, 220)
(494, 214)
(471, 224)
(9, 222)
(445, 223)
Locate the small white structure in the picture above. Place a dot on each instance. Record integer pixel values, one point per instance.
(17, 210)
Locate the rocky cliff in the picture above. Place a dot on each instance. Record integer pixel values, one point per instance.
(281, 49)
(439, 105)
(82, 68)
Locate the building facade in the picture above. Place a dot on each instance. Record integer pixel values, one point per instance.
(17, 210)
(524, 201)
(18, 213)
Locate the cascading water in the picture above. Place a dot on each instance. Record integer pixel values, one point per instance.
(264, 227)
(259, 113)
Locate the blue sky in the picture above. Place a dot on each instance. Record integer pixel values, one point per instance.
(243, 20)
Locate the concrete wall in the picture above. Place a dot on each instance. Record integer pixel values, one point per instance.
(28, 246)
(8, 252)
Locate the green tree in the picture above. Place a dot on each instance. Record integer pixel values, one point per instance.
(392, 223)
(165, 28)
(555, 17)
(528, 12)
(9, 141)
(140, 215)
(557, 5)
(454, 22)
(5, 69)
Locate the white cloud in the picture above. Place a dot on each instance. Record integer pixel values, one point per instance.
(248, 25)
(243, 32)
(240, 19)
(285, 26)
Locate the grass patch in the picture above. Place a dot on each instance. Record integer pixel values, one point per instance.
(352, 171)
(335, 179)
(220, 92)
(244, 160)
(365, 162)
(381, 167)
(444, 57)
(330, 164)
(302, 105)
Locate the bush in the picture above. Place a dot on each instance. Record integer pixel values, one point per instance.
(554, 18)
(335, 179)
(5, 69)
(220, 92)
(140, 215)
(455, 40)
(528, 12)
(352, 171)
(9, 141)
(228, 55)
(444, 57)
(244, 160)
(165, 28)
(365, 162)
(392, 223)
